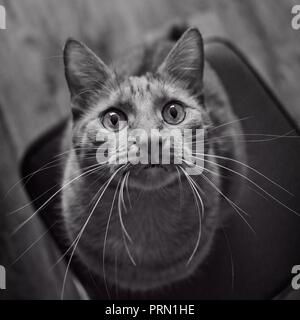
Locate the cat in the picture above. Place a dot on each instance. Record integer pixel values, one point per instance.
(156, 222)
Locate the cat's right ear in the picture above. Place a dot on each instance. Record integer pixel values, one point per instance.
(185, 61)
(86, 74)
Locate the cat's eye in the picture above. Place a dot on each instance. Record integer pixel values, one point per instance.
(114, 120)
(173, 113)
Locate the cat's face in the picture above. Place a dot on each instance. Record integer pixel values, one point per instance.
(127, 117)
(139, 122)
(119, 121)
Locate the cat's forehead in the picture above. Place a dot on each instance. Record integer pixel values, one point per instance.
(143, 92)
(147, 89)
(142, 87)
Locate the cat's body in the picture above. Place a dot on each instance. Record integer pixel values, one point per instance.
(155, 232)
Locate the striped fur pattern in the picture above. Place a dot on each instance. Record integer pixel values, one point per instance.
(142, 227)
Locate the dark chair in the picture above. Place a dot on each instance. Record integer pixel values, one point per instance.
(242, 264)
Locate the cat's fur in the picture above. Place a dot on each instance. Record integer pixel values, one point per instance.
(162, 220)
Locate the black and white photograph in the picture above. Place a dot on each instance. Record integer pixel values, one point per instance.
(149, 151)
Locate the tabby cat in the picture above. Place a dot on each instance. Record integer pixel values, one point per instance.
(155, 222)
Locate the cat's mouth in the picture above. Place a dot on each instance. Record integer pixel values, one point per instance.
(152, 176)
(152, 166)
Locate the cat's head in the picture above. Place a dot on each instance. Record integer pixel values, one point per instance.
(139, 111)
(124, 117)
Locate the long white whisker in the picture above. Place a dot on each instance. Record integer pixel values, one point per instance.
(231, 257)
(124, 232)
(105, 238)
(121, 220)
(190, 181)
(231, 122)
(180, 187)
(269, 137)
(248, 167)
(255, 184)
(33, 244)
(41, 195)
(84, 226)
(57, 192)
(232, 204)
(127, 188)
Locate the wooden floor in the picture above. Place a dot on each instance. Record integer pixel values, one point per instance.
(33, 94)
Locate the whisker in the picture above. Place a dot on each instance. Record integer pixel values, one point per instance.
(194, 190)
(122, 193)
(121, 220)
(231, 257)
(66, 252)
(105, 239)
(256, 185)
(77, 239)
(231, 122)
(248, 167)
(46, 202)
(41, 195)
(269, 137)
(124, 231)
(236, 208)
(127, 188)
(180, 186)
(33, 244)
(29, 176)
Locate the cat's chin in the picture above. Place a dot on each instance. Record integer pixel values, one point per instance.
(152, 177)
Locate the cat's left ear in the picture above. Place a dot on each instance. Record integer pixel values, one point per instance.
(185, 62)
(86, 73)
